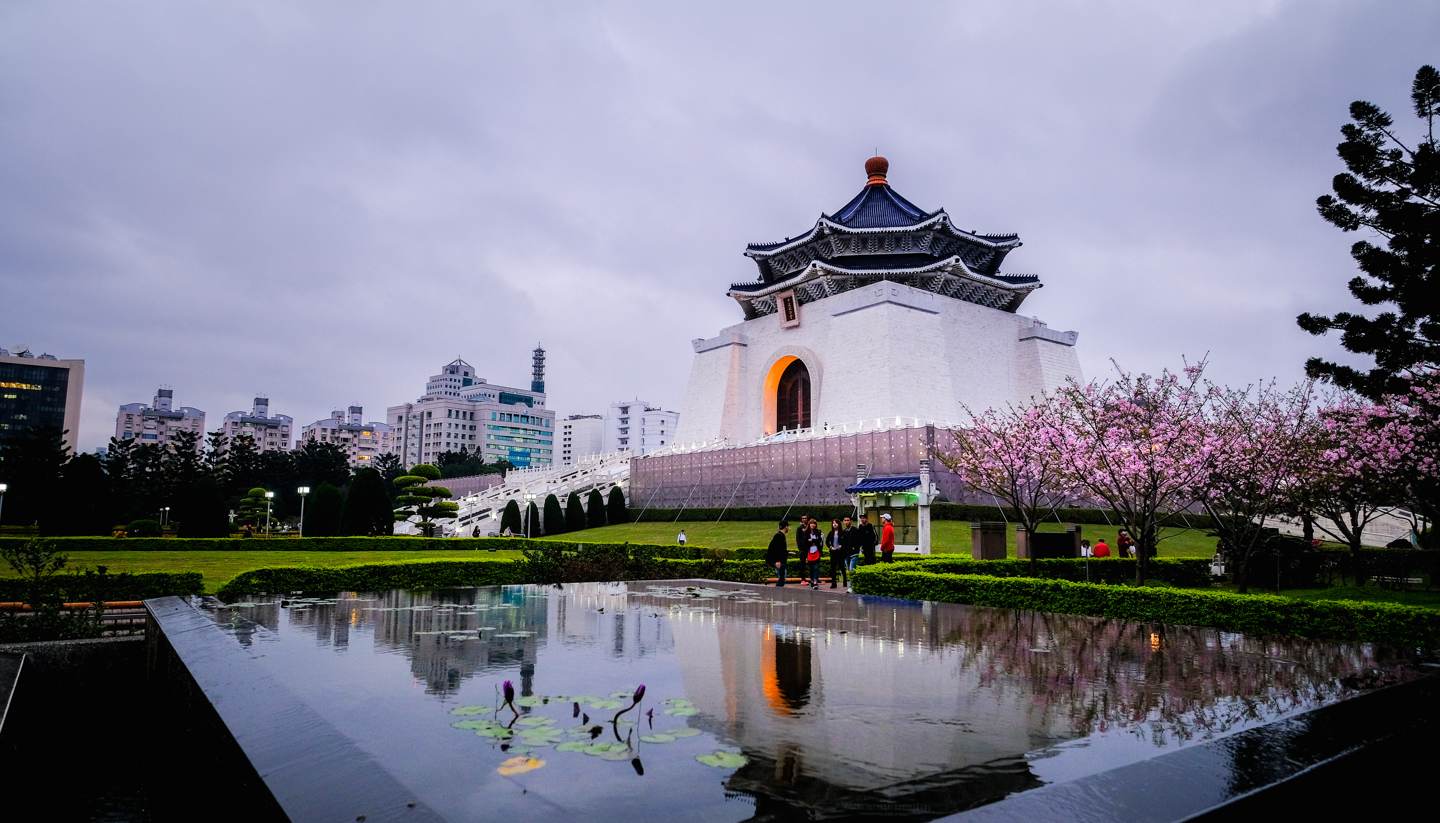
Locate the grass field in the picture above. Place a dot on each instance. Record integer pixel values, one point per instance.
(219, 567)
(949, 536)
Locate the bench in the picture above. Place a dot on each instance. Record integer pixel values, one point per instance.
(1394, 582)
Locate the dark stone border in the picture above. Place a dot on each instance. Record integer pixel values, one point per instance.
(267, 753)
(1260, 768)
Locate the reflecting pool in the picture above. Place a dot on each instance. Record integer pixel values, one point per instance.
(761, 703)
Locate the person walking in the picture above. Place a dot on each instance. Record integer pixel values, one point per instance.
(865, 539)
(887, 539)
(778, 552)
(836, 543)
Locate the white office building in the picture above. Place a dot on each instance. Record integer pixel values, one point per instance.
(158, 423)
(362, 442)
(638, 426)
(270, 432)
(460, 410)
(581, 435)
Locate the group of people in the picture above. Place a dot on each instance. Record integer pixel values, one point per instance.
(1124, 546)
(845, 542)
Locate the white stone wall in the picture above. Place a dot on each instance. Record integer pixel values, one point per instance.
(881, 351)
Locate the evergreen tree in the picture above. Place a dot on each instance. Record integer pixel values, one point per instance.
(594, 509)
(202, 508)
(277, 471)
(421, 503)
(119, 455)
(1392, 189)
(554, 516)
(181, 464)
(322, 511)
(30, 463)
(242, 465)
(574, 513)
(389, 466)
(532, 520)
(214, 459)
(146, 481)
(510, 518)
(615, 508)
(319, 463)
(367, 508)
(84, 500)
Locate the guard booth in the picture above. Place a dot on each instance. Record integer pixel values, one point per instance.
(906, 498)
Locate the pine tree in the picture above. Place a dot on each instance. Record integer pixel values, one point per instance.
(242, 465)
(214, 460)
(84, 498)
(367, 508)
(119, 469)
(421, 503)
(615, 508)
(554, 516)
(202, 510)
(574, 513)
(594, 509)
(389, 466)
(31, 462)
(510, 518)
(319, 463)
(1393, 190)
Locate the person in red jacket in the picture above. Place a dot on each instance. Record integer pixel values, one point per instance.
(1101, 549)
(887, 539)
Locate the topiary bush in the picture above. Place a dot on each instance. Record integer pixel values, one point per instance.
(144, 527)
(1188, 572)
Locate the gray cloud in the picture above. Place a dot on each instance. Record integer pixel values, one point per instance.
(327, 202)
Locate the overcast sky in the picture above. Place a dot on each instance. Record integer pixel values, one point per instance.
(327, 201)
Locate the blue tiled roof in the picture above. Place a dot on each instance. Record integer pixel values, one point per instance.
(879, 206)
(898, 483)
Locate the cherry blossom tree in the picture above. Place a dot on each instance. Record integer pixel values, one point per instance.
(1011, 455)
(1260, 435)
(1142, 445)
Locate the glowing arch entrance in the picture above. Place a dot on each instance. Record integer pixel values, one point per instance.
(788, 396)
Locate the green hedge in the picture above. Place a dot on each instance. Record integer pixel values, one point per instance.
(360, 544)
(89, 586)
(438, 574)
(1189, 572)
(939, 511)
(1257, 614)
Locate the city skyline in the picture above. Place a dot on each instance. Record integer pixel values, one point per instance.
(319, 206)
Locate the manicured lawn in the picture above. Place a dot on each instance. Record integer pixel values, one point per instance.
(218, 567)
(1370, 593)
(950, 536)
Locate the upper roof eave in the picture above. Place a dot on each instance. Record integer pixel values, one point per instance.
(937, 218)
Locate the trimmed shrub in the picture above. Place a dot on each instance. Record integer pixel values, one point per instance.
(615, 507)
(1258, 614)
(574, 513)
(594, 509)
(1115, 570)
(532, 520)
(510, 518)
(88, 586)
(554, 517)
(144, 527)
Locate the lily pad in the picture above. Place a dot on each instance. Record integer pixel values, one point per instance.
(683, 731)
(723, 759)
(659, 737)
(529, 700)
(682, 711)
(466, 711)
(571, 746)
(535, 720)
(606, 704)
(541, 736)
(605, 747)
(497, 732)
(621, 695)
(519, 765)
(472, 724)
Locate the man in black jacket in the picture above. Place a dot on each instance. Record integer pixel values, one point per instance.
(778, 552)
(866, 539)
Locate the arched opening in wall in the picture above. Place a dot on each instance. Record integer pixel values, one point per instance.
(788, 397)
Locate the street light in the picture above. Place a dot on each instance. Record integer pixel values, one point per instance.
(302, 491)
(529, 501)
(268, 497)
(164, 517)
(3, 487)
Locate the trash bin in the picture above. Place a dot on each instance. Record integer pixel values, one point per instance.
(987, 540)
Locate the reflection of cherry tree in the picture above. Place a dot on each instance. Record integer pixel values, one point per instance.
(1172, 683)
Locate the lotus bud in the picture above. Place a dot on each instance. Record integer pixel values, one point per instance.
(639, 693)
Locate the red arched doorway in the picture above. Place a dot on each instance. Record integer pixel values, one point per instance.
(792, 398)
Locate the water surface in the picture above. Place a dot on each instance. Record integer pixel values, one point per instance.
(763, 703)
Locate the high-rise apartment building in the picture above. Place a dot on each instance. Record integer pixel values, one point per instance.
(362, 442)
(638, 427)
(581, 435)
(40, 390)
(158, 423)
(270, 432)
(460, 410)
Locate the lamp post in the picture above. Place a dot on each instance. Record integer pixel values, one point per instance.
(529, 501)
(3, 487)
(302, 491)
(269, 496)
(164, 518)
